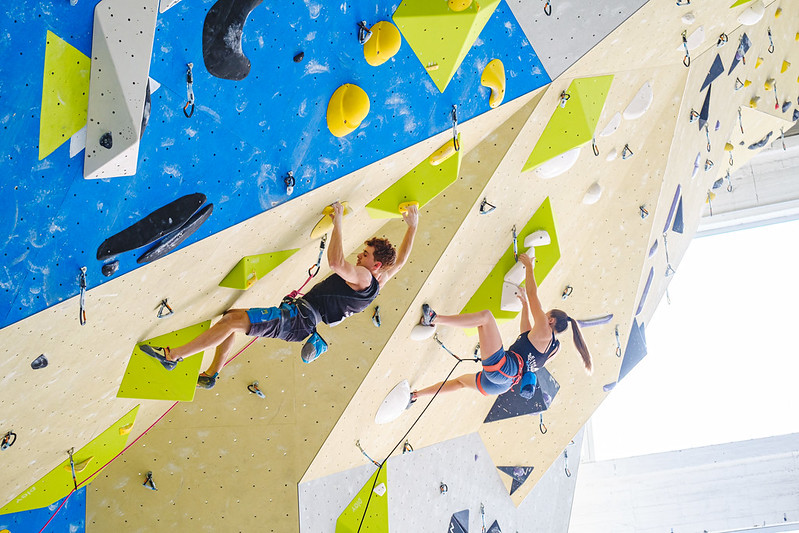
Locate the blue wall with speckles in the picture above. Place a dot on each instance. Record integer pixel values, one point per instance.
(243, 138)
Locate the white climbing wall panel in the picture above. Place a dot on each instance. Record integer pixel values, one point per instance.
(122, 44)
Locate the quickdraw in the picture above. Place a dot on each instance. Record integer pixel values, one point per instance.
(454, 115)
(290, 182)
(687, 59)
(407, 448)
(626, 153)
(541, 427)
(723, 39)
(358, 444)
(312, 272)
(189, 92)
(364, 33)
(82, 281)
(776, 98)
(486, 207)
(782, 137)
(707, 134)
(644, 212)
(72, 467)
(8, 440)
(548, 8)
(771, 42)
(515, 243)
(376, 317)
(738, 84)
(594, 147)
(729, 181)
(740, 120)
(442, 488)
(618, 342)
(475, 358)
(564, 97)
(162, 310)
(253, 388)
(148, 481)
(566, 463)
(693, 116)
(567, 292)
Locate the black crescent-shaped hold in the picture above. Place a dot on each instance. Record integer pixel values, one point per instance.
(222, 31)
(172, 241)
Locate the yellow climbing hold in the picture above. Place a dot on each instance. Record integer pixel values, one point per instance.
(728, 147)
(125, 430)
(326, 223)
(494, 78)
(778, 13)
(443, 153)
(459, 5)
(384, 43)
(348, 106)
(403, 207)
(710, 197)
(797, 37)
(785, 66)
(769, 84)
(753, 102)
(747, 83)
(79, 467)
(758, 62)
(65, 94)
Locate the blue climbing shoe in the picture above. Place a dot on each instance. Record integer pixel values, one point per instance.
(313, 348)
(428, 315)
(204, 381)
(159, 354)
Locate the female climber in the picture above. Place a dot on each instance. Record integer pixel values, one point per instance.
(529, 353)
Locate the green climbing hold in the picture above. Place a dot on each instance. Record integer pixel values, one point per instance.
(251, 268)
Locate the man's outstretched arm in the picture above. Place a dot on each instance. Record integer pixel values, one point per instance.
(411, 217)
(358, 276)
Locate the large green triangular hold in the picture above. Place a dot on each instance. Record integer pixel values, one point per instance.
(573, 124)
(89, 460)
(251, 268)
(422, 184)
(376, 520)
(65, 94)
(439, 36)
(489, 294)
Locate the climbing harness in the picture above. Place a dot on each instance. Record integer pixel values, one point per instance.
(541, 427)
(455, 141)
(515, 244)
(407, 448)
(358, 444)
(594, 147)
(364, 33)
(164, 310)
(548, 8)
(707, 134)
(189, 92)
(644, 212)
(564, 97)
(148, 481)
(740, 120)
(626, 153)
(486, 207)
(8, 440)
(82, 281)
(289, 181)
(687, 59)
(771, 42)
(693, 116)
(253, 388)
(376, 317)
(567, 292)
(442, 488)
(72, 467)
(566, 463)
(312, 272)
(722, 40)
(618, 342)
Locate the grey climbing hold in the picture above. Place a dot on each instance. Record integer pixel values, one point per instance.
(39, 362)
(796, 114)
(109, 269)
(786, 105)
(762, 142)
(107, 141)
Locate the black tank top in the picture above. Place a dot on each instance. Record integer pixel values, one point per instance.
(335, 300)
(535, 359)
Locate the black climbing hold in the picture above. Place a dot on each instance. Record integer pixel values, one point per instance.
(743, 47)
(718, 183)
(148, 104)
(786, 105)
(703, 115)
(459, 523)
(110, 268)
(39, 362)
(679, 224)
(716, 70)
(518, 473)
(762, 142)
(494, 528)
(299, 57)
(222, 33)
(171, 241)
(511, 404)
(106, 141)
(635, 350)
(795, 115)
(157, 224)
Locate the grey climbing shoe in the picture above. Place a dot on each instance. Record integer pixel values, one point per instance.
(159, 354)
(428, 315)
(204, 381)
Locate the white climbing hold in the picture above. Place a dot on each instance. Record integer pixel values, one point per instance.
(510, 301)
(688, 18)
(640, 103)
(537, 238)
(613, 154)
(694, 40)
(516, 274)
(753, 13)
(420, 332)
(394, 404)
(696, 165)
(593, 194)
(612, 126)
(558, 164)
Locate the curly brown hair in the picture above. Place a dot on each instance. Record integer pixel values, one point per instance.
(384, 251)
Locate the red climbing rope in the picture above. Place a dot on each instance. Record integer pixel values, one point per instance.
(129, 445)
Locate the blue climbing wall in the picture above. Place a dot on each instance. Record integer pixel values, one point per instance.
(243, 138)
(71, 517)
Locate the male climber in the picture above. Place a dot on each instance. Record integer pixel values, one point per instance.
(349, 290)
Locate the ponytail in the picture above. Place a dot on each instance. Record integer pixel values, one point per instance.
(562, 321)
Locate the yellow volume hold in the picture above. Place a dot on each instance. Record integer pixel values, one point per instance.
(347, 108)
(383, 45)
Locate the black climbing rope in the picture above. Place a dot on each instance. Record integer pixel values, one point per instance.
(188, 109)
(82, 282)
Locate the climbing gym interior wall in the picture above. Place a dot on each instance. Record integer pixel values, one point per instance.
(167, 162)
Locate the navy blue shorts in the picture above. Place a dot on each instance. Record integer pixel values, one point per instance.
(292, 322)
(493, 382)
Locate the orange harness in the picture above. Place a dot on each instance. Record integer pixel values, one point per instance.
(498, 367)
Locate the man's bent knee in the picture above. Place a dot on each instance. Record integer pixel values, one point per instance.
(236, 320)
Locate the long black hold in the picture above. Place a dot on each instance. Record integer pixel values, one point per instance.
(222, 33)
(173, 240)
